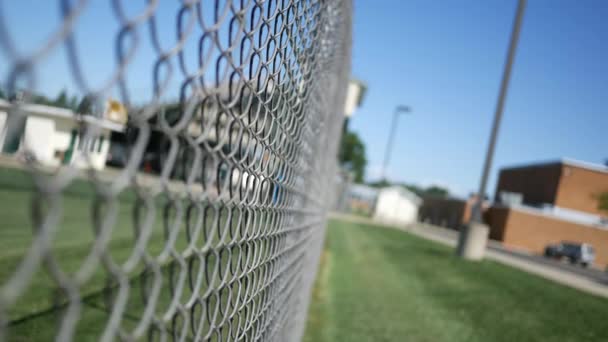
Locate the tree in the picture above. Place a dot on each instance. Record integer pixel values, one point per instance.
(419, 191)
(436, 191)
(433, 190)
(62, 100)
(73, 103)
(383, 183)
(87, 105)
(352, 155)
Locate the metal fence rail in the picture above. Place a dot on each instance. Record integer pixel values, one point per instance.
(209, 224)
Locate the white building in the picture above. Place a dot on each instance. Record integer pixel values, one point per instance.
(54, 136)
(397, 205)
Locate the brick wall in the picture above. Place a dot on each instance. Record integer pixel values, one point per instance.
(496, 218)
(578, 188)
(533, 232)
(561, 184)
(447, 212)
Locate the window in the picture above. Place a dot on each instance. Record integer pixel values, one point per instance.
(101, 139)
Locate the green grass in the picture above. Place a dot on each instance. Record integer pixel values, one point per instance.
(374, 284)
(377, 284)
(70, 246)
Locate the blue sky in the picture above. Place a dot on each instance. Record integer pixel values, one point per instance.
(96, 32)
(442, 58)
(445, 60)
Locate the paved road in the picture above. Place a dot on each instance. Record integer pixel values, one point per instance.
(593, 274)
(588, 280)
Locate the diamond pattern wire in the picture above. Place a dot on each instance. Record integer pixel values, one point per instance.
(225, 189)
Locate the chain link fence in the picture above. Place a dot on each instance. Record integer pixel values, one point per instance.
(183, 195)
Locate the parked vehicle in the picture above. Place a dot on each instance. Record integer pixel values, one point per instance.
(576, 253)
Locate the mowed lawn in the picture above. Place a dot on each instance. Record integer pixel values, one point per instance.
(374, 284)
(378, 284)
(34, 316)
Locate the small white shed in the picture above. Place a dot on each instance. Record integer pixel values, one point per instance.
(397, 205)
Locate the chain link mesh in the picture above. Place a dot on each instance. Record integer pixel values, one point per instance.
(210, 227)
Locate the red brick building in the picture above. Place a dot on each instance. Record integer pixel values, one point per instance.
(558, 202)
(564, 183)
(450, 212)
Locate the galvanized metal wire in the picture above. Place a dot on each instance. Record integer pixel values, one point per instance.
(236, 207)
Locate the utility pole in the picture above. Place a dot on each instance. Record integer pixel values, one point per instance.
(391, 136)
(472, 240)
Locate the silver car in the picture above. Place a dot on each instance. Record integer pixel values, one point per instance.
(576, 253)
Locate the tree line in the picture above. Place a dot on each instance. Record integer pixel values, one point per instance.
(353, 159)
(62, 100)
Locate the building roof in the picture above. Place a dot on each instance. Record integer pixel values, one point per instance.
(403, 192)
(61, 113)
(563, 161)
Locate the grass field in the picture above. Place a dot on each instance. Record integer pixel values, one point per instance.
(377, 284)
(33, 317)
(374, 284)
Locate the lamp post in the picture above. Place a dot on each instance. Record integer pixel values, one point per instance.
(473, 238)
(354, 98)
(389, 146)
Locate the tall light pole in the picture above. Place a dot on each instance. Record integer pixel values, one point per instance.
(391, 136)
(472, 240)
(354, 98)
